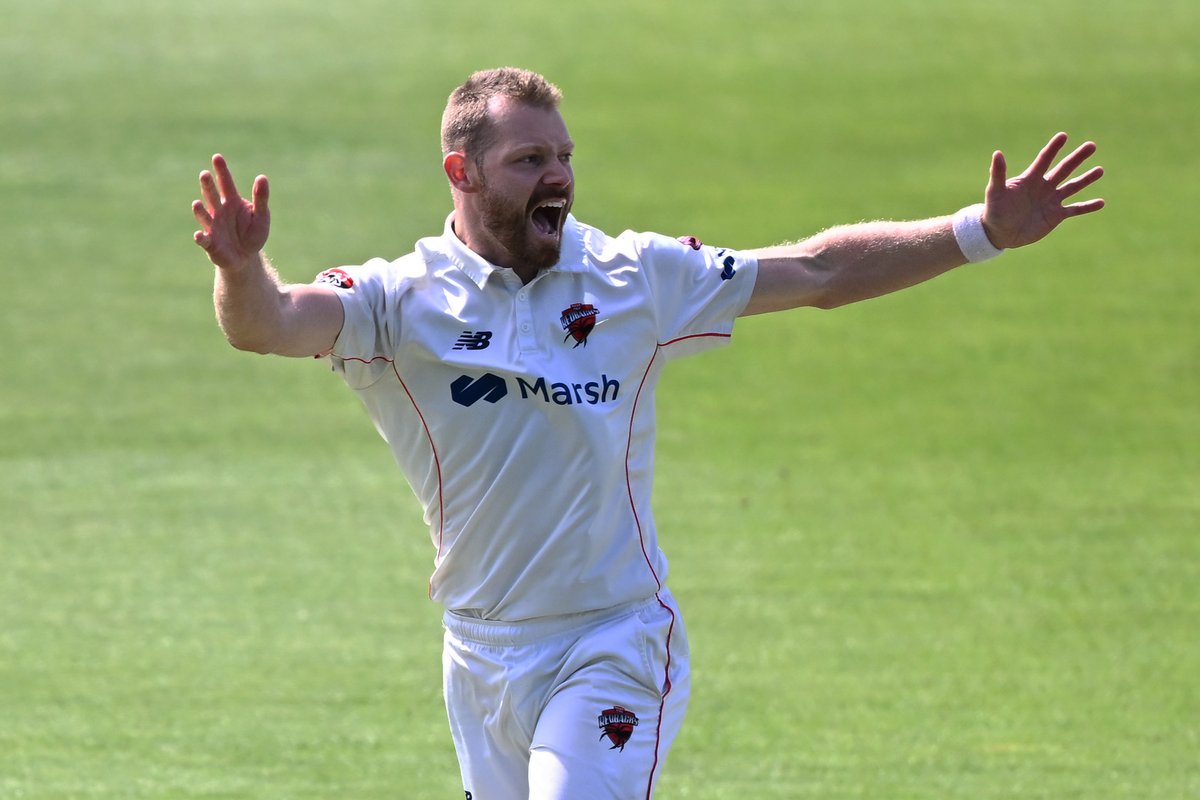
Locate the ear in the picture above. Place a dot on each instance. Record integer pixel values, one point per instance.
(458, 170)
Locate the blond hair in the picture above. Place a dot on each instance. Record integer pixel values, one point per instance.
(467, 124)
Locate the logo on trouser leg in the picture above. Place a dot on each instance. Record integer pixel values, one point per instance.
(617, 724)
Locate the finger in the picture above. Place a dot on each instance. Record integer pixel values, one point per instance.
(201, 214)
(1071, 162)
(998, 174)
(1086, 207)
(203, 239)
(261, 191)
(225, 178)
(1085, 180)
(1046, 157)
(208, 190)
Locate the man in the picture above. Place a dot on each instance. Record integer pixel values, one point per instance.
(510, 364)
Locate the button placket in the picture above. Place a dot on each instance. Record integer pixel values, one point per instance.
(523, 311)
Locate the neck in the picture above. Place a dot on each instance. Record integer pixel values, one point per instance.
(484, 247)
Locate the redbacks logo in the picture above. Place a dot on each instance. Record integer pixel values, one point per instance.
(617, 723)
(336, 277)
(578, 321)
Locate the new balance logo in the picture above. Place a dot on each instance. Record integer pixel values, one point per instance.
(473, 340)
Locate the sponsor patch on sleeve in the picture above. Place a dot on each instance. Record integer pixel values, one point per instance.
(728, 263)
(335, 277)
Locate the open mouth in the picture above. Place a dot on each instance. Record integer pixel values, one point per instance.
(547, 216)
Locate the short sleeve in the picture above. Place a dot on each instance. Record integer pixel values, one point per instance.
(371, 296)
(698, 290)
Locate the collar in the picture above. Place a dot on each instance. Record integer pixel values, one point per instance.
(572, 258)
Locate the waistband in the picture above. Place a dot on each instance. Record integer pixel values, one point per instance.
(496, 632)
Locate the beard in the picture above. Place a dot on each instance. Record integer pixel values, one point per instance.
(513, 228)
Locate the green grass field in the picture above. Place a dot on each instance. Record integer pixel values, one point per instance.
(940, 545)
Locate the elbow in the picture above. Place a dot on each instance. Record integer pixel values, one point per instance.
(831, 287)
(251, 335)
(249, 344)
(835, 286)
(824, 301)
(830, 300)
(825, 284)
(828, 289)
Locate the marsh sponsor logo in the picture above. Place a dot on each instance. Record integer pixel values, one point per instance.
(568, 394)
(467, 391)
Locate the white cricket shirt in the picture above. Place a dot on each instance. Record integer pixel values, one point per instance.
(523, 415)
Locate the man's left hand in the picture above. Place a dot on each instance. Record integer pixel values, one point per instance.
(1022, 210)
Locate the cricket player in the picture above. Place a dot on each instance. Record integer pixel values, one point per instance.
(510, 363)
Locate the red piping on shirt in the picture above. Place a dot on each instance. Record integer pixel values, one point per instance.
(362, 360)
(696, 336)
(662, 703)
(437, 462)
(629, 443)
(629, 483)
(437, 465)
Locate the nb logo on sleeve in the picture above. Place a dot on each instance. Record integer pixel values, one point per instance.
(473, 340)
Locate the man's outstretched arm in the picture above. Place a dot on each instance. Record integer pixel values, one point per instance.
(855, 262)
(256, 310)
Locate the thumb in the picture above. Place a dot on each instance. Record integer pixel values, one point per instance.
(998, 175)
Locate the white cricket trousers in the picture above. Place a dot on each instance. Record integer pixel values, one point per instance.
(578, 707)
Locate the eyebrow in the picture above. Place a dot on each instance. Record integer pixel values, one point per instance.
(567, 145)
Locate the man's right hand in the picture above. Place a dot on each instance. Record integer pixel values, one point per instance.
(233, 230)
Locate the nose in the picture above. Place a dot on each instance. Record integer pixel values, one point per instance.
(559, 174)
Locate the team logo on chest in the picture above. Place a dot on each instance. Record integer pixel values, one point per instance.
(617, 723)
(578, 321)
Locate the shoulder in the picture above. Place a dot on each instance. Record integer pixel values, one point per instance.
(629, 245)
(378, 274)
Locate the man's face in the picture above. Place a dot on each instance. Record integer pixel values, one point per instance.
(526, 187)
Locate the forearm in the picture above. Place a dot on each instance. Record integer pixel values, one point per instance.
(876, 258)
(249, 301)
(850, 263)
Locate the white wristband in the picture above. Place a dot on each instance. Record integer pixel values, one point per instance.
(971, 237)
